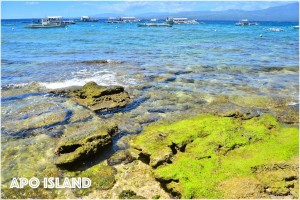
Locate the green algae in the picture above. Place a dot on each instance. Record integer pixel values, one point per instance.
(102, 177)
(192, 158)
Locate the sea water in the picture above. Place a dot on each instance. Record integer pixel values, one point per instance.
(53, 57)
(164, 69)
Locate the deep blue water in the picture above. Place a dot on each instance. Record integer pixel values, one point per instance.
(53, 57)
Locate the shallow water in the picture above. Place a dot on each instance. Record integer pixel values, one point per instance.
(170, 74)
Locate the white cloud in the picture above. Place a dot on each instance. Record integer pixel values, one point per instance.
(32, 3)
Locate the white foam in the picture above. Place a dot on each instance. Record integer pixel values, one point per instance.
(105, 80)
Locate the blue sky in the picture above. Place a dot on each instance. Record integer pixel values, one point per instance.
(39, 9)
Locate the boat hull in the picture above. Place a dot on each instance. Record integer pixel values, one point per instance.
(34, 26)
(154, 25)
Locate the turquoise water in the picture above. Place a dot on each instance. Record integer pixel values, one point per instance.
(214, 52)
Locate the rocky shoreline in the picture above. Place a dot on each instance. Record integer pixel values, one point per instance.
(249, 143)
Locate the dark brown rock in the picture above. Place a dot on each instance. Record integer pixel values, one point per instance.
(82, 140)
(97, 98)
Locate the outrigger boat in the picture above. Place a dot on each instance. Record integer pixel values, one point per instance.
(154, 25)
(49, 22)
(88, 19)
(118, 20)
(171, 20)
(245, 22)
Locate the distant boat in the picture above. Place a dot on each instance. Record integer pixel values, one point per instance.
(115, 20)
(172, 21)
(88, 19)
(154, 25)
(295, 27)
(48, 22)
(153, 20)
(245, 22)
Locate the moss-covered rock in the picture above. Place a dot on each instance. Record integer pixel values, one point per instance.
(102, 177)
(81, 141)
(200, 156)
(98, 98)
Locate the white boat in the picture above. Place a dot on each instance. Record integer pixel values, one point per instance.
(49, 22)
(115, 20)
(128, 19)
(245, 22)
(171, 20)
(153, 20)
(88, 19)
(295, 27)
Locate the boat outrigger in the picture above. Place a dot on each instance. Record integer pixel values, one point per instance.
(48, 22)
(154, 25)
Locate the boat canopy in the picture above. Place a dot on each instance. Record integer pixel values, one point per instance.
(126, 18)
(54, 17)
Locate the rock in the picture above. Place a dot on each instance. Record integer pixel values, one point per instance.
(199, 156)
(243, 188)
(122, 156)
(82, 140)
(279, 178)
(97, 98)
(287, 115)
(22, 122)
(102, 177)
(101, 62)
(231, 110)
(129, 194)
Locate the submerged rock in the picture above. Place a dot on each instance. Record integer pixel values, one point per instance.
(97, 98)
(231, 110)
(81, 141)
(101, 62)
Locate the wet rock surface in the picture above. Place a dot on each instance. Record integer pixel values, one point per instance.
(232, 110)
(122, 156)
(64, 138)
(97, 98)
(81, 141)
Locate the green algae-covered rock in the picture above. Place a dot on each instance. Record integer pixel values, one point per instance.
(82, 140)
(102, 178)
(98, 98)
(201, 156)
